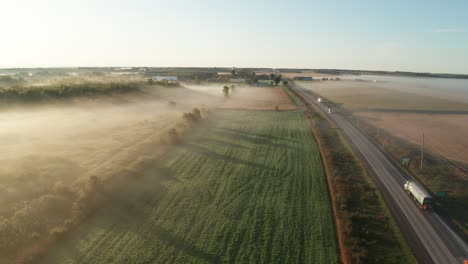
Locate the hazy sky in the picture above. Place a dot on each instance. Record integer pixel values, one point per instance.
(427, 36)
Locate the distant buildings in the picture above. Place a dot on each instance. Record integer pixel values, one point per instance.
(224, 73)
(167, 78)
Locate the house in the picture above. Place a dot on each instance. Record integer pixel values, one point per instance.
(167, 78)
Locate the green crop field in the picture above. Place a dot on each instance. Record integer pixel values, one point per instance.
(246, 187)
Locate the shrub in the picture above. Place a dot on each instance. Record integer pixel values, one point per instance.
(57, 231)
(196, 113)
(173, 136)
(189, 118)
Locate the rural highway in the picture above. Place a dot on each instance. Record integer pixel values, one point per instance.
(440, 241)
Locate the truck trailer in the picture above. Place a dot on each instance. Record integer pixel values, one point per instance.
(419, 194)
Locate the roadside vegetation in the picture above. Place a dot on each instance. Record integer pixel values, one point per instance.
(366, 230)
(247, 186)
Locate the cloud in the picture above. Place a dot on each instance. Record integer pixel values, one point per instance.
(449, 30)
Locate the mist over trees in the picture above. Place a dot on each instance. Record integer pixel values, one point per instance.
(226, 91)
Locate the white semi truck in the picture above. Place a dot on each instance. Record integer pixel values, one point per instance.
(419, 194)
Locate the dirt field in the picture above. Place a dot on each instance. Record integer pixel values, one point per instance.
(247, 97)
(443, 134)
(256, 98)
(368, 96)
(405, 115)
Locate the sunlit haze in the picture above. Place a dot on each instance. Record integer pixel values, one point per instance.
(423, 36)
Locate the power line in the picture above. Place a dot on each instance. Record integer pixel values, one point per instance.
(456, 171)
(450, 160)
(422, 151)
(455, 158)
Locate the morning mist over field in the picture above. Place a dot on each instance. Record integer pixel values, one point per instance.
(233, 132)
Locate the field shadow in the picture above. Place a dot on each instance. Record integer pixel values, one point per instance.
(181, 245)
(139, 220)
(222, 143)
(211, 154)
(252, 138)
(254, 135)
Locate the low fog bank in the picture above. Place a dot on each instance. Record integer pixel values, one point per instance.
(45, 143)
(248, 97)
(63, 159)
(445, 88)
(53, 152)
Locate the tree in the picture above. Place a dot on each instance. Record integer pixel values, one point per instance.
(189, 118)
(277, 79)
(226, 91)
(173, 136)
(196, 113)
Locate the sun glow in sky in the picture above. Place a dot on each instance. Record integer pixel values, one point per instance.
(424, 36)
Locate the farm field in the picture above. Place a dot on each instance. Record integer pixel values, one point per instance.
(368, 96)
(249, 97)
(404, 115)
(46, 144)
(50, 150)
(259, 98)
(444, 135)
(247, 187)
(402, 118)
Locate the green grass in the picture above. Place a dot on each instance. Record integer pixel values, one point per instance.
(247, 187)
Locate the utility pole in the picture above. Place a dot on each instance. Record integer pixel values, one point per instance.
(422, 150)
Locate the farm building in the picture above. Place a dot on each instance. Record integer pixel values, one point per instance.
(224, 73)
(167, 78)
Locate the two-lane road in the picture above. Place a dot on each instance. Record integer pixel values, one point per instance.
(441, 243)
